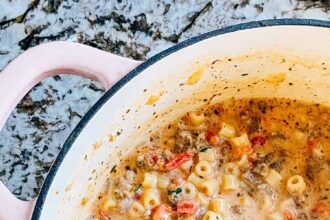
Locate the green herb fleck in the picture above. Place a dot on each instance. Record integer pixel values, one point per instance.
(138, 187)
(176, 191)
(204, 149)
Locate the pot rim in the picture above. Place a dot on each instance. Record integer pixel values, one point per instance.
(114, 89)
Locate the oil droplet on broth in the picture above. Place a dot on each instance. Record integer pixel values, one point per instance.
(97, 144)
(152, 99)
(111, 138)
(195, 77)
(276, 78)
(83, 201)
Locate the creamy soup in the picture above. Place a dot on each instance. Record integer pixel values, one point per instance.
(238, 159)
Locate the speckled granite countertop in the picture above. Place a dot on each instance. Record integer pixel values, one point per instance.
(138, 29)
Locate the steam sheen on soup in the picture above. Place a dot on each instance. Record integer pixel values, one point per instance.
(239, 159)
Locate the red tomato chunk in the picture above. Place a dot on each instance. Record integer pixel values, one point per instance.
(188, 207)
(258, 140)
(178, 160)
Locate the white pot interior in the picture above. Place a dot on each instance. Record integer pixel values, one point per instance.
(278, 61)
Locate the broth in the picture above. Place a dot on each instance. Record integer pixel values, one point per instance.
(238, 159)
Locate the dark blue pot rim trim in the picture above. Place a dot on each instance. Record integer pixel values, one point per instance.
(89, 115)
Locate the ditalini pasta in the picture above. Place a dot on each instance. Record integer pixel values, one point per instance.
(218, 205)
(231, 169)
(208, 155)
(203, 169)
(193, 178)
(196, 118)
(273, 178)
(209, 215)
(247, 159)
(150, 198)
(246, 201)
(209, 187)
(189, 191)
(265, 202)
(150, 180)
(241, 141)
(227, 131)
(243, 163)
(203, 200)
(296, 184)
(187, 166)
(230, 182)
(163, 181)
(136, 210)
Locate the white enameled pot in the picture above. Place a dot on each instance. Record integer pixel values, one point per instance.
(274, 58)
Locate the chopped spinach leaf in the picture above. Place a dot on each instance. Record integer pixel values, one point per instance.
(138, 187)
(204, 149)
(176, 191)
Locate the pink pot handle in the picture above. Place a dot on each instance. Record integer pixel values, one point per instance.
(39, 63)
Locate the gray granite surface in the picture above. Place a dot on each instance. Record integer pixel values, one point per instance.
(36, 130)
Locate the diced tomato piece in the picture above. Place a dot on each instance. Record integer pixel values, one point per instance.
(321, 209)
(311, 144)
(137, 191)
(154, 156)
(247, 149)
(138, 194)
(214, 139)
(162, 212)
(209, 134)
(288, 215)
(259, 140)
(240, 151)
(178, 160)
(188, 207)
